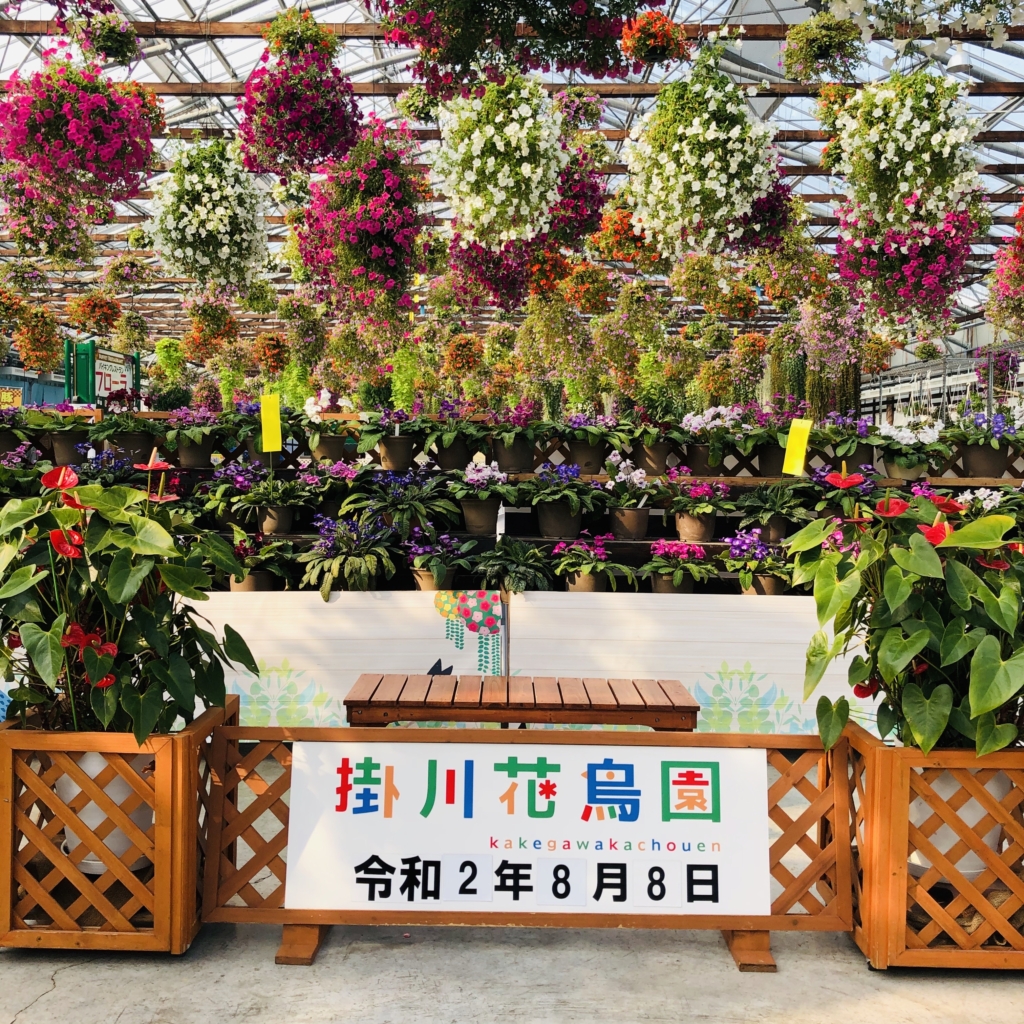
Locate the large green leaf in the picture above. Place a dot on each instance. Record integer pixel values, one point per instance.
(17, 512)
(148, 537)
(220, 552)
(143, 709)
(897, 587)
(895, 652)
(811, 536)
(871, 551)
(859, 670)
(981, 535)
(238, 651)
(45, 650)
(927, 716)
(960, 719)
(124, 578)
(994, 681)
(957, 642)
(111, 502)
(1003, 610)
(991, 737)
(832, 719)
(210, 683)
(921, 559)
(961, 583)
(104, 702)
(21, 579)
(886, 718)
(179, 682)
(96, 665)
(185, 581)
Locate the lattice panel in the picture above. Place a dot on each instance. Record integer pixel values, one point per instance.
(53, 891)
(944, 907)
(857, 783)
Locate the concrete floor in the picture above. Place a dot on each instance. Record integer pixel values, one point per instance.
(458, 976)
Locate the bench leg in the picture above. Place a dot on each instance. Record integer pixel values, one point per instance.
(752, 951)
(300, 944)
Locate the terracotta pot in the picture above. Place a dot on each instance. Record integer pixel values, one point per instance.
(456, 456)
(586, 582)
(629, 523)
(517, 458)
(776, 530)
(769, 586)
(651, 458)
(481, 515)
(589, 457)
(264, 458)
(334, 447)
(134, 445)
(662, 584)
(258, 579)
(424, 580)
(695, 528)
(557, 522)
(982, 460)
(8, 441)
(397, 453)
(275, 520)
(195, 456)
(697, 456)
(895, 472)
(64, 443)
(770, 459)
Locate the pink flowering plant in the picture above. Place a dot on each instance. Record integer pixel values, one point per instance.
(677, 559)
(192, 425)
(696, 497)
(454, 423)
(585, 556)
(481, 481)
(750, 556)
(524, 420)
(767, 425)
(503, 273)
(358, 234)
(716, 427)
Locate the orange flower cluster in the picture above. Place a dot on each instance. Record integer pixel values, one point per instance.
(93, 312)
(654, 38)
(617, 241)
(738, 303)
(38, 339)
(588, 288)
(205, 339)
(547, 271)
(270, 352)
(462, 355)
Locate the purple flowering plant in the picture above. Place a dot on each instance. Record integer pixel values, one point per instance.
(627, 486)
(454, 423)
(562, 483)
(191, 425)
(403, 501)
(229, 480)
(977, 428)
(438, 552)
(586, 556)
(751, 556)
(592, 429)
(844, 433)
(349, 555)
(678, 559)
(20, 470)
(378, 423)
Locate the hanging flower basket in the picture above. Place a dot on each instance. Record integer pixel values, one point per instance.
(93, 312)
(38, 340)
(654, 38)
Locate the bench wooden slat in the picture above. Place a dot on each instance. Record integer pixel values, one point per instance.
(390, 689)
(495, 692)
(467, 691)
(626, 694)
(363, 688)
(415, 691)
(653, 695)
(574, 693)
(442, 689)
(678, 694)
(520, 691)
(600, 694)
(546, 693)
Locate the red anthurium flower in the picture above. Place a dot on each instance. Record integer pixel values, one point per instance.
(891, 507)
(163, 497)
(60, 479)
(156, 467)
(74, 637)
(937, 533)
(72, 502)
(946, 505)
(1016, 546)
(14, 641)
(844, 482)
(75, 537)
(920, 667)
(63, 546)
(996, 563)
(108, 680)
(868, 689)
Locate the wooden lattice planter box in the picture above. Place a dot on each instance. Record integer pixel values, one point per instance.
(938, 849)
(139, 890)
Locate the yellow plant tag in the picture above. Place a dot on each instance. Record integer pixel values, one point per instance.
(796, 447)
(270, 420)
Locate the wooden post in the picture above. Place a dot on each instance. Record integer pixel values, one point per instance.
(752, 951)
(300, 944)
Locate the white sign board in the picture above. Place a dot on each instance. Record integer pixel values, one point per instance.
(537, 828)
(113, 373)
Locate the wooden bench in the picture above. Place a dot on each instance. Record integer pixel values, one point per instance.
(663, 704)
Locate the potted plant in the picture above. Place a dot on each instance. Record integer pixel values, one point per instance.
(764, 431)
(13, 429)
(674, 567)
(848, 437)
(696, 504)
(435, 558)
(839, 492)
(272, 503)
(123, 430)
(774, 508)
(909, 451)
(983, 444)
(395, 434)
(20, 472)
(480, 490)
(331, 484)
(514, 566)
(514, 436)
(331, 439)
(263, 564)
(762, 567)
(453, 439)
(654, 433)
(586, 564)
(192, 433)
(111, 660)
(244, 425)
(402, 501)
(560, 497)
(229, 481)
(629, 494)
(61, 429)
(588, 439)
(348, 556)
(709, 437)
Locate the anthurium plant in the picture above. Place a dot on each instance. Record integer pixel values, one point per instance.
(96, 613)
(930, 608)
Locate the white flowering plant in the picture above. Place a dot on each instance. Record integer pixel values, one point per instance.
(698, 163)
(882, 18)
(208, 218)
(627, 486)
(913, 443)
(499, 162)
(480, 481)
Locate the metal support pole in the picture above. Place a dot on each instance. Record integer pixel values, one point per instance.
(991, 376)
